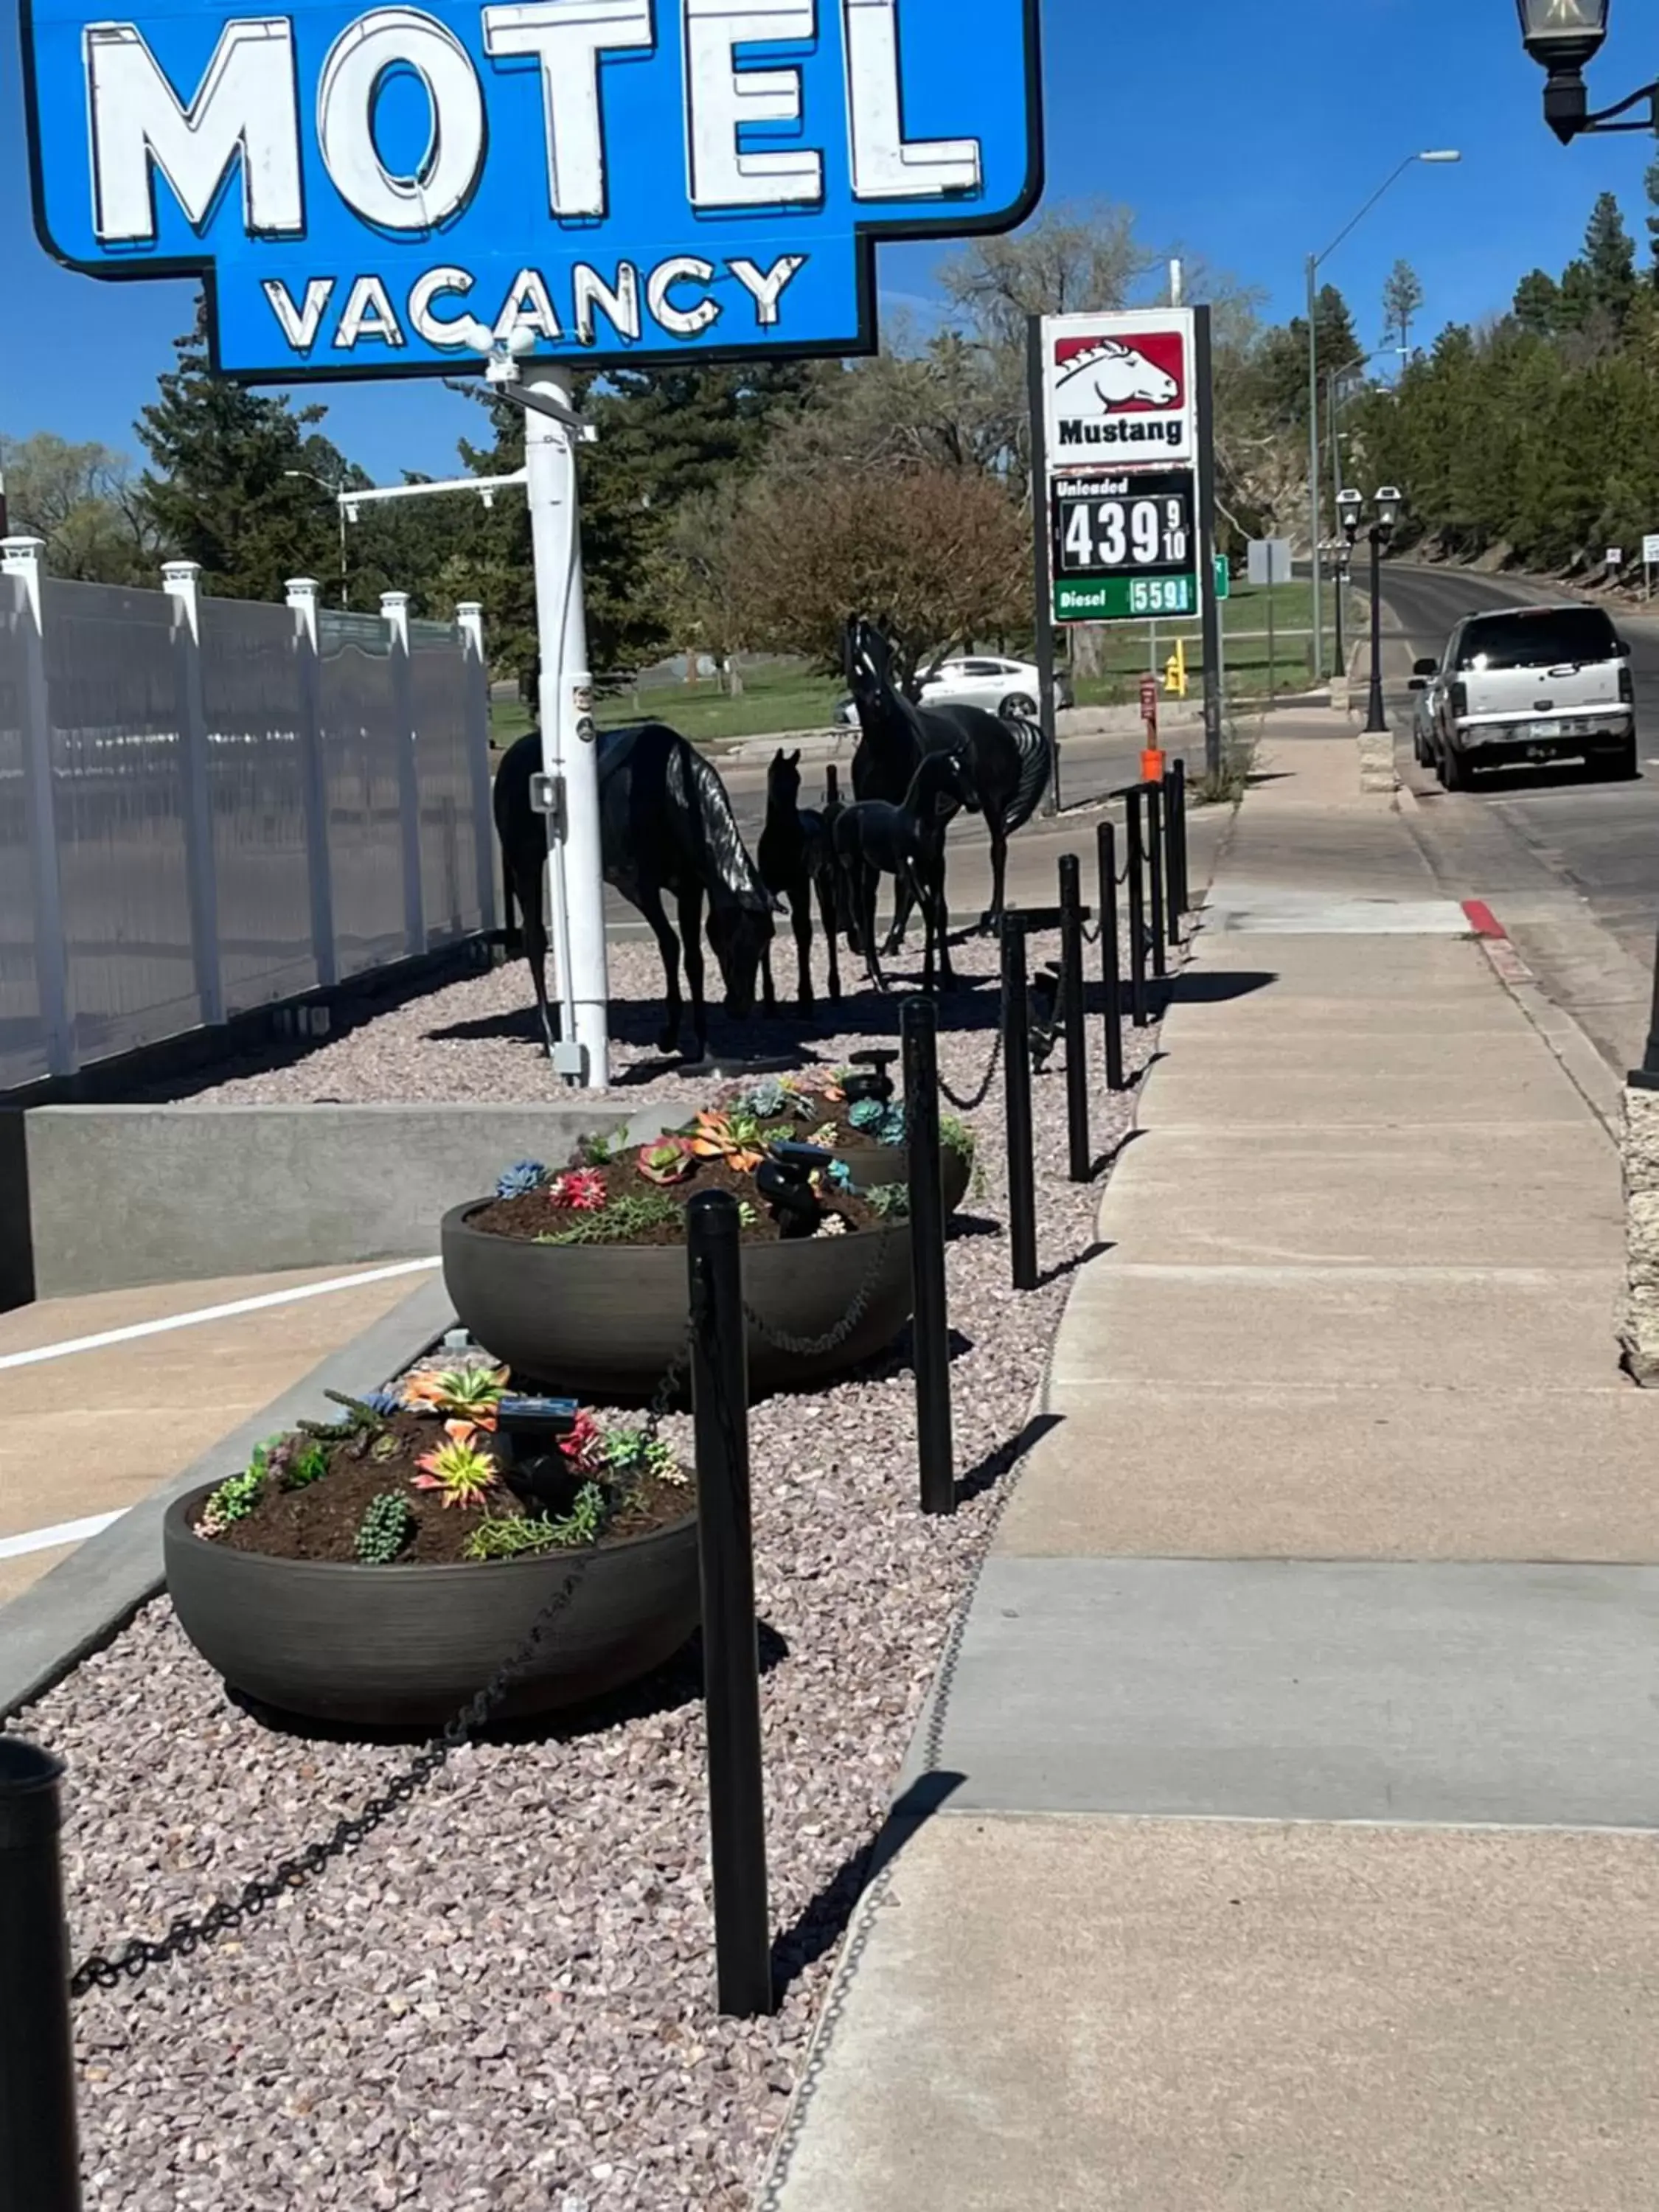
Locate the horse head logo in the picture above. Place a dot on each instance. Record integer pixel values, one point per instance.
(1120, 376)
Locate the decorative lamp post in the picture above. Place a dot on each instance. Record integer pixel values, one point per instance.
(1388, 503)
(1563, 36)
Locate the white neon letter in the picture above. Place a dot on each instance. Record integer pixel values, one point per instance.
(681, 322)
(444, 175)
(299, 324)
(244, 106)
(886, 166)
(527, 307)
(620, 301)
(767, 285)
(568, 38)
(368, 314)
(722, 99)
(436, 330)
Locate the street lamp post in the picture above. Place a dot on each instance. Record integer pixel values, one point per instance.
(1315, 261)
(1388, 504)
(1563, 36)
(335, 491)
(1339, 567)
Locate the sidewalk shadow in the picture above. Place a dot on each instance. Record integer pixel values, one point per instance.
(1004, 1458)
(1212, 986)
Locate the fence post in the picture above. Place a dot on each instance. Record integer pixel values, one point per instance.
(20, 557)
(1016, 1095)
(394, 610)
(40, 2162)
(179, 579)
(468, 620)
(1180, 897)
(1137, 864)
(1072, 987)
(930, 1329)
(731, 1654)
(302, 598)
(1155, 874)
(1110, 975)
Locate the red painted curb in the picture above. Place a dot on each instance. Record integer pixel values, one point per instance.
(1482, 920)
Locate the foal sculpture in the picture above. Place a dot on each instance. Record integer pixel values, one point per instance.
(873, 838)
(797, 861)
(1006, 764)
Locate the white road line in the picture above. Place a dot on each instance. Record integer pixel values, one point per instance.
(48, 1539)
(160, 1327)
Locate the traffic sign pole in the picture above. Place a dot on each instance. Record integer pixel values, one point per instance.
(1204, 375)
(1044, 576)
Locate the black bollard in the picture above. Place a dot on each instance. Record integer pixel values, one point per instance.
(1111, 976)
(40, 2162)
(1155, 875)
(930, 1329)
(1137, 865)
(731, 1654)
(1071, 989)
(831, 786)
(1175, 805)
(1016, 1095)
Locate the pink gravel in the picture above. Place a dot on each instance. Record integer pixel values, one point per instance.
(503, 1999)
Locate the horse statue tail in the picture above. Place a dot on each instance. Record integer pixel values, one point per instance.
(1037, 763)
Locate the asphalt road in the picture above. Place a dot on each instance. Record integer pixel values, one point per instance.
(1563, 846)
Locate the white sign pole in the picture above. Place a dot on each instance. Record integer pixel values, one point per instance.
(569, 748)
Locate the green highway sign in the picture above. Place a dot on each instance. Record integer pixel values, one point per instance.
(1124, 598)
(1224, 577)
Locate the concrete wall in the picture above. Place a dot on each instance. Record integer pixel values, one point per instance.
(104, 1197)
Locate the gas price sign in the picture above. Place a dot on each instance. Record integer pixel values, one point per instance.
(1124, 544)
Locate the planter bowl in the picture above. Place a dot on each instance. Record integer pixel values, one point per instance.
(875, 1164)
(606, 1320)
(394, 1646)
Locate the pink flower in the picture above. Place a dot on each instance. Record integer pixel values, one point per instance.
(582, 1189)
(583, 1446)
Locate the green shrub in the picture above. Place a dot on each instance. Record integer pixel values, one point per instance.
(956, 1136)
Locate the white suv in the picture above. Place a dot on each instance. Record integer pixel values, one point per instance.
(1527, 684)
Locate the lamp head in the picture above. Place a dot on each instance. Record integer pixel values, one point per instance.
(1389, 501)
(1350, 505)
(1563, 36)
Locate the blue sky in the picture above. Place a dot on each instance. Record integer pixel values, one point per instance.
(1247, 133)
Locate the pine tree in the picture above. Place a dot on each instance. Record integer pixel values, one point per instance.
(218, 492)
(1610, 258)
(1538, 304)
(1651, 182)
(1402, 298)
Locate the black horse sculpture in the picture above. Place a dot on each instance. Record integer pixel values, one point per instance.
(1006, 764)
(873, 838)
(797, 859)
(666, 825)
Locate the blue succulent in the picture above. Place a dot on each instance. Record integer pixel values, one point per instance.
(839, 1176)
(521, 1179)
(892, 1130)
(868, 1114)
(383, 1402)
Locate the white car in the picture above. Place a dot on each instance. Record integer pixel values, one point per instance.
(1001, 687)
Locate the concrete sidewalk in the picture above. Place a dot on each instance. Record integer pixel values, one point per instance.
(1279, 1835)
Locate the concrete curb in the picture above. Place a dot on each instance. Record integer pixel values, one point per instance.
(89, 1597)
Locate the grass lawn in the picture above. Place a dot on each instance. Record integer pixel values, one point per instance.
(783, 698)
(1130, 646)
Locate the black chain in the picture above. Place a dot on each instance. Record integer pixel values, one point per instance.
(105, 1971)
(817, 1347)
(967, 1105)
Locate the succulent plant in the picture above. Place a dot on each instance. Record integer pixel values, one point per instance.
(866, 1113)
(520, 1178)
(308, 1464)
(582, 1189)
(889, 1199)
(666, 1159)
(383, 1402)
(598, 1152)
(828, 1134)
(459, 1469)
(234, 1500)
(765, 1099)
(583, 1442)
(955, 1134)
(632, 1453)
(473, 1391)
(623, 1220)
(734, 1139)
(511, 1536)
(388, 1524)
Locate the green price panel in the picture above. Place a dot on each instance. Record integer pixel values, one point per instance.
(1124, 598)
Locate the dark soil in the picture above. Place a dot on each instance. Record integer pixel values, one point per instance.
(534, 1214)
(321, 1521)
(821, 1113)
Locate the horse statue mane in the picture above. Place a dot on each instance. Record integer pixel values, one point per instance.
(697, 795)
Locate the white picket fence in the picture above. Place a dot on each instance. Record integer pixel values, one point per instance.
(210, 805)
